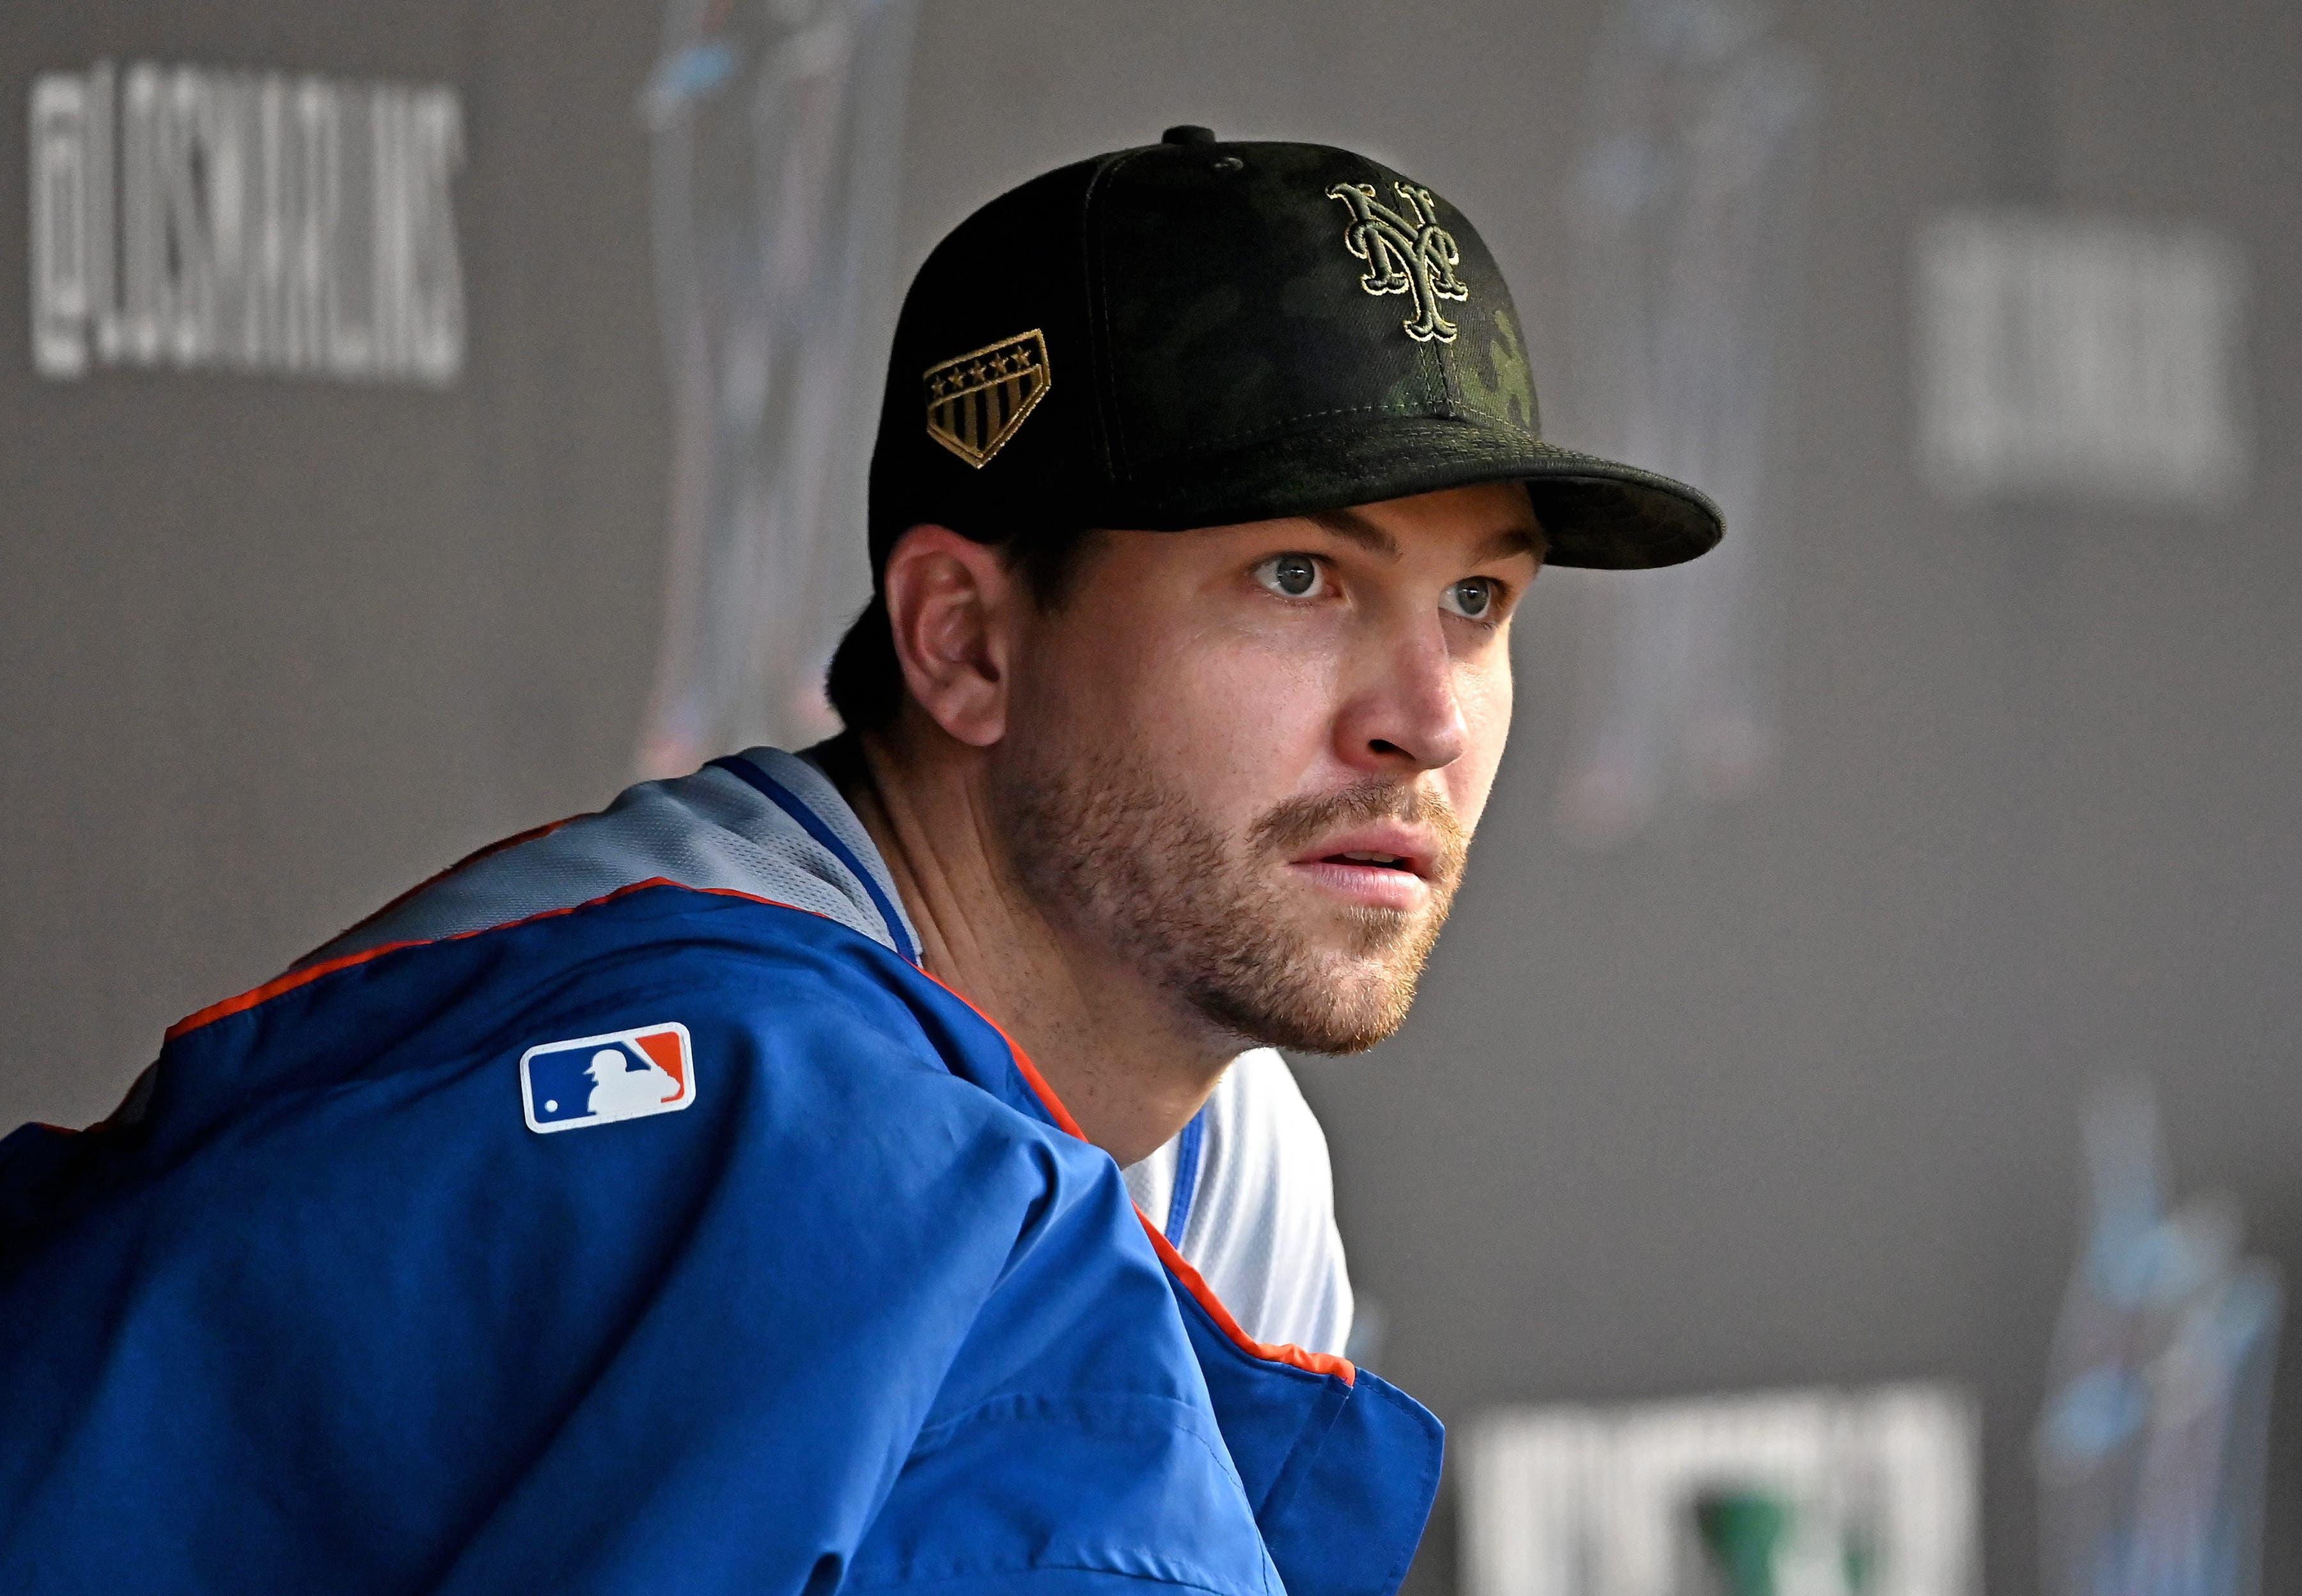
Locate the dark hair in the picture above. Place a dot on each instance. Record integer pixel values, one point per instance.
(865, 683)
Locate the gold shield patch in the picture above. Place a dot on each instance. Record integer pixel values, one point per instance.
(976, 400)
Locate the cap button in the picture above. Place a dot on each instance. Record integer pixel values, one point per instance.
(1187, 134)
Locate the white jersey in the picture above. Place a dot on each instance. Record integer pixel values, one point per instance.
(1246, 1193)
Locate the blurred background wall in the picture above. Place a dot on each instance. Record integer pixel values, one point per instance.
(1777, 1092)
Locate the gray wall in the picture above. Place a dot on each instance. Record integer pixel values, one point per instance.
(1782, 1093)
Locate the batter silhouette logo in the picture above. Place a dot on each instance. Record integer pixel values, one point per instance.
(597, 1080)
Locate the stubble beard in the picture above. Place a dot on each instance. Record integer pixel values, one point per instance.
(1108, 846)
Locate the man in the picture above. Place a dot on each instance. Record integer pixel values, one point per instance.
(1207, 481)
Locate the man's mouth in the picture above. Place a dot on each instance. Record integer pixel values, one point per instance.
(1377, 867)
(1385, 845)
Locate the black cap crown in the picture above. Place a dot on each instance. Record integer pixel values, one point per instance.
(1194, 333)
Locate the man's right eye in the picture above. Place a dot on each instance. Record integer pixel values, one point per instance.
(1292, 576)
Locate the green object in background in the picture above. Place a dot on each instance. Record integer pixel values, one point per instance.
(1858, 1559)
(1742, 1530)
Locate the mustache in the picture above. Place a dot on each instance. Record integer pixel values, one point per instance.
(1298, 822)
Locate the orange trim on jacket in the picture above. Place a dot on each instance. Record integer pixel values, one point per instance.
(1316, 1362)
(1180, 1267)
(300, 975)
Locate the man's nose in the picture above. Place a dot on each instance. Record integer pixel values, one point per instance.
(1406, 715)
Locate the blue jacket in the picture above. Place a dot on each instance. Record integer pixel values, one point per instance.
(667, 1238)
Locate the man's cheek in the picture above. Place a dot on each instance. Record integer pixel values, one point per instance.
(1283, 736)
(1251, 727)
(1487, 715)
(1248, 695)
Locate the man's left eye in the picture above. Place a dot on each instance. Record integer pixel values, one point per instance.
(1472, 599)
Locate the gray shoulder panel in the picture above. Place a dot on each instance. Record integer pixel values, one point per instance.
(710, 829)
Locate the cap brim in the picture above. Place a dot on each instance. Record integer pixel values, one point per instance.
(1611, 516)
(1594, 512)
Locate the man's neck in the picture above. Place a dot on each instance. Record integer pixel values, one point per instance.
(1130, 1069)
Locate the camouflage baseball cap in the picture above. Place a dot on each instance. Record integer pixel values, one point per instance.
(1194, 333)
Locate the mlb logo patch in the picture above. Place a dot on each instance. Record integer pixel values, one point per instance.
(595, 1081)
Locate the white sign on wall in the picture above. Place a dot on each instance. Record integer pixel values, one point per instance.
(195, 218)
(2094, 359)
(1869, 1492)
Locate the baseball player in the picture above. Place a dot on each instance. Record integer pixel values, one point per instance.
(789, 1179)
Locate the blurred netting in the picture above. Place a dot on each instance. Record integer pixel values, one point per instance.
(2152, 1449)
(777, 131)
(1687, 210)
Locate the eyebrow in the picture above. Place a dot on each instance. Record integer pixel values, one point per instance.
(1357, 528)
(1514, 539)
(1349, 525)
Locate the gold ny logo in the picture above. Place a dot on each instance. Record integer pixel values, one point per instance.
(1406, 252)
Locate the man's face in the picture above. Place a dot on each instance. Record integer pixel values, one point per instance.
(1246, 762)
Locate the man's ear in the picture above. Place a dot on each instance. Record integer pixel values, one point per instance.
(950, 603)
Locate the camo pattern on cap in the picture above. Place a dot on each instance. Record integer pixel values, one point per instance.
(1246, 331)
(1238, 311)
